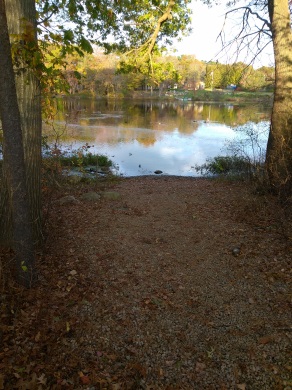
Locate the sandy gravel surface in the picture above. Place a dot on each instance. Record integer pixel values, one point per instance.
(162, 283)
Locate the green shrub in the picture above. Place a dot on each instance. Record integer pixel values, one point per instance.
(225, 165)
(245, 157)
(80, 159)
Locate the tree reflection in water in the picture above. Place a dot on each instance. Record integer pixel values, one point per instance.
(143, 136)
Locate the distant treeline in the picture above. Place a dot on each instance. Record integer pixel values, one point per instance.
(100, 74)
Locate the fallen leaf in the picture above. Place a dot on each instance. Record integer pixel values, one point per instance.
(169, 362)
(131, 351)
(200, 367)
(42, 379)
(112, 357)
(37, 337)
(241, 386)
(266, 339)
(85, 380)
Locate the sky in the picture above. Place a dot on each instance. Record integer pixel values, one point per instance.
(204, 42)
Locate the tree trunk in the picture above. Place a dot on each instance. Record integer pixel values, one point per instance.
(279, 150)
(21, 18)
(14, 162)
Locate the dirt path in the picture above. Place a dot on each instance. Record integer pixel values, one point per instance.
(178, 283)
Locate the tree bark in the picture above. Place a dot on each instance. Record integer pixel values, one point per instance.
(24, 267)
(21, 19)
(279, 150)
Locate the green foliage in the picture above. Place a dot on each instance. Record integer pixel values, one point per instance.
(239, 74)
(106, 75)
(80, 157)
(67, 31)
(245, 157)
(81, 163)
(206, 96)
(232, 96)
(68, 28)
(24, 267)
(225, 165)
(155, 72)
(131, 23)
(191, 70)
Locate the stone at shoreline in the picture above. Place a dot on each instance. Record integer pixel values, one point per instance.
(74, 179)
(158, 172)
(111, 195)
(68, 199)
(90, 196)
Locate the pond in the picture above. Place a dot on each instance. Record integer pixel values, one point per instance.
(141, 137)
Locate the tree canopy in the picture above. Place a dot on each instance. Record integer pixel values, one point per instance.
(136, 29)
(115, 24)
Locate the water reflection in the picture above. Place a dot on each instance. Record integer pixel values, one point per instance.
(142, 137)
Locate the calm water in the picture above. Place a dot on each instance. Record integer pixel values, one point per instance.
(141, 137)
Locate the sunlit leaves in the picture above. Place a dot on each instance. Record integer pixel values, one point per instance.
(24, 267)
(129, 23)
(69, 27)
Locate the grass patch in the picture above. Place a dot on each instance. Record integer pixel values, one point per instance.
(75, 167)
(80, 157)
(82, 160)
(227, 166)
(232, 96)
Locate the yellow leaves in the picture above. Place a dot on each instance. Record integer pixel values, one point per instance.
(24, 267)
(210, 353)
(68, 327)
(28, 31)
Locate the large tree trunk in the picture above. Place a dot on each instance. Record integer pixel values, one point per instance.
(21, 17)
(14, 162)
(279, 150)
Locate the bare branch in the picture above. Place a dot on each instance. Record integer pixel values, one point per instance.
(250, 37)
(248, 11)
(46, 19)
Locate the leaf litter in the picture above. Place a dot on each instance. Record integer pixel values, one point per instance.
(136, 293)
